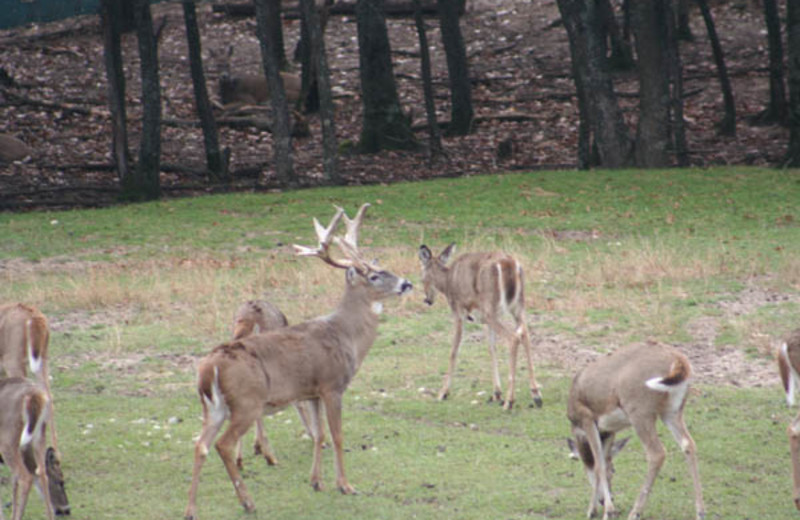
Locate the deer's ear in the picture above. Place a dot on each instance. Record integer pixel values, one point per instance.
(425, 254)
(449, 250)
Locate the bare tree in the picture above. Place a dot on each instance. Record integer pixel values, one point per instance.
(435, 136)
(727, 126)
(462, 113)
(111, 19)
(792, 159)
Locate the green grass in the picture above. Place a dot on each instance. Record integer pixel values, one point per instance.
(137, 294)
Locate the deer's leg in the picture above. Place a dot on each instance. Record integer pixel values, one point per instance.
(491, 337)
(304, 412)
(678, 428)
(211, 427)
(497, 326)
(654, 451)
(43, 478)
(794, 444)
(45, 380)
(262, 446)
(601, 491)
(22, 487)
(525, 337)
(315, 419)
(333, 409)
(226, 447)
(457, 332)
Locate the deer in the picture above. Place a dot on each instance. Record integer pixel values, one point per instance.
(24, 339)
(789, 368)
(486, 284)
(260, 316)
(633, 386)
(252, 89)
(24, 417)
(313, 361)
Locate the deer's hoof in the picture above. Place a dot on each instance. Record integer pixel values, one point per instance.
(537, 401)
(443, 395)
(239, 463)
(316, 486)
(508, 405)
(248, 506)
(347, 489)
(797, 503)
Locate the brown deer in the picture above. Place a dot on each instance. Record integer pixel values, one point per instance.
(24, 416)
(313, 361)
(789, 365)
(259, 317)
(24, 338)
(485, 284)
(252, 89)
(631, 387)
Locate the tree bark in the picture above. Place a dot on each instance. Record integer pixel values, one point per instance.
(793, 30)
(676, 94)
(217, 167)
(281, 134)
(593, 81)
(776, 109)
(275, 32)
(435, 138)
(457, 68)
(110, 14)
(323, 81)
(384, 123)
(684, 30)
(621, 56)
(146, 184)
(727, 126)
(653, 130)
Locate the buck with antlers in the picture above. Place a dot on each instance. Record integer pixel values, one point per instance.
(789, 365)
(485, 284)
(24, 416)
(631, 387)
(24, 338)
(259, 317)
(313, 361)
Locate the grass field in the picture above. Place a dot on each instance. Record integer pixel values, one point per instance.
(707, 260)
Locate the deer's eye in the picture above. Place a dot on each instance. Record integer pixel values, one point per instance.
(374, 278)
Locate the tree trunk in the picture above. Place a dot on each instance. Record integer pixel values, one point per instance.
(275, 32)
(728, 124)
(793, 30)
(676, 95)
(457, 68)
(435, 137)
(653, 130)
(215, 162)
(385, 125)
(684, 30)
(281, 132)
(587, 49)
(621, 57)
(776, 110)
(323, 81)
(112, 55)
(145, 184)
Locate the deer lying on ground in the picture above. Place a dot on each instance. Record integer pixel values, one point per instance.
(252, 89)
(789, 365)
(259, 317)
(24, 416)
(24, 338)
(631, 387)
(484, 284)
(313, 361)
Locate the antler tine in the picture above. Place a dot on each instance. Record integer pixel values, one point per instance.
(351, 235)
(324, 235)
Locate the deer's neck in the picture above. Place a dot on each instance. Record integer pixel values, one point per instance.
(356, 321)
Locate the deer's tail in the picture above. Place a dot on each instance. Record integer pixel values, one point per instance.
(679, 372)
(37, 338)
(789, 376)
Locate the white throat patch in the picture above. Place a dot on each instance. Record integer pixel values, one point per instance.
(377, 307)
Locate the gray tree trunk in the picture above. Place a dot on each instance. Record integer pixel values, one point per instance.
(793, 30)
(110, 14)
(462, 113)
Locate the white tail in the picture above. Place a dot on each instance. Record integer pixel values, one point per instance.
(599, 406)
(312, 361)
(24, 416)
(24, 340)
(485, 285)
(789, 366)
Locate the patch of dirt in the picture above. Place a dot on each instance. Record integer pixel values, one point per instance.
(519, 62)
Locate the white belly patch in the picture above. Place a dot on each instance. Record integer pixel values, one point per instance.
(613, 421)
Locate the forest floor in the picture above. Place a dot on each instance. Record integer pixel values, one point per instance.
(53, 97)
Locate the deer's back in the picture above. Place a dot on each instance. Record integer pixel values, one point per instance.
(14, 319)
(473, 276)
(793, 348)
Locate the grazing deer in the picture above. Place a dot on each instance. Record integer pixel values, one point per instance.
(24, 337)
(259, 317)
(313, 361)
(486, 284)
(789, 365)
(631, 387)
(24, 416)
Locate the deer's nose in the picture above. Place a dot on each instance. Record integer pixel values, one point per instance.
(405, 287)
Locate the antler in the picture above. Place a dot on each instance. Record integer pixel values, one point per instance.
(348, 244)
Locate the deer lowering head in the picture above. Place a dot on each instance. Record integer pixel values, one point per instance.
(24, 416)
(789, 366)
(484, 285)
(634, 386)
(260, 317)
(314, 361)
(24, 338)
